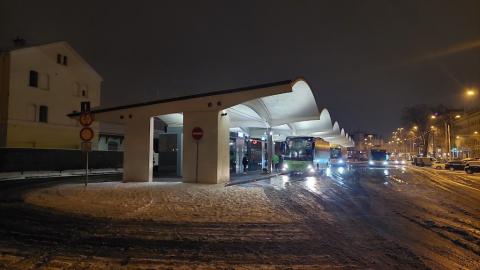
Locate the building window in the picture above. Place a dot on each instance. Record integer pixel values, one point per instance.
(80, 90)
(43, 114)
(84, 91)
(62, 59)
(33, 79)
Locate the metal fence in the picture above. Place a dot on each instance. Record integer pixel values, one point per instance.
(29, 159)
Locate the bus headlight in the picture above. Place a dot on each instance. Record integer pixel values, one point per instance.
(385, 163)
(340, 161)
(371, 162)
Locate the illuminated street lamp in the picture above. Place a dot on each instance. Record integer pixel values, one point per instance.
(470, 92)
(433, 116)
(458, 116)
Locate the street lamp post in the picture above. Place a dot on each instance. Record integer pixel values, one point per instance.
(470, 93)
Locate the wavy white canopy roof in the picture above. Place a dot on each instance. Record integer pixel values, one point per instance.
(288, 108)
(288, 114)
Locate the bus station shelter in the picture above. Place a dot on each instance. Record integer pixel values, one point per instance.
(273, 111)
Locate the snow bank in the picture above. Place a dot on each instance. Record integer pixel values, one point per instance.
(175, 202)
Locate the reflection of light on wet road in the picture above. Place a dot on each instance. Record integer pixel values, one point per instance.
(385, 172)
(328, 172)
(310, 183)
(280, 182)
(340, 170)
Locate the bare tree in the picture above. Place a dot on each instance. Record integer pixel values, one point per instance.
(418, 115)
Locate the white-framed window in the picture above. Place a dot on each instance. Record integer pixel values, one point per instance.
(38, 80)
(43, 114)
(62, 59)
(84, 90)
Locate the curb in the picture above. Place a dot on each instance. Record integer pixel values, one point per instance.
(33, 177)
(260, 177)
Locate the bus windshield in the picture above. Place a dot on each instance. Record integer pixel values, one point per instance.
(378, 154)
(299, 149)
(335, 153)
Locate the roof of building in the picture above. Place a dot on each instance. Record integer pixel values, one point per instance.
(55, 43)
(291, 111)
(160, 101)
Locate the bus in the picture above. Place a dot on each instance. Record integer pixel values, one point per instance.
(305, 155)
(378, 157)
(336, 157)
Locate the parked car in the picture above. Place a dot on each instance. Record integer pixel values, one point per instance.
(422, 161)
(439, 165)
(472, 166)
(453, 165)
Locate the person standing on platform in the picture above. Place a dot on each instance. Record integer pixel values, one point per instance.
(275, 161)
(245, 164)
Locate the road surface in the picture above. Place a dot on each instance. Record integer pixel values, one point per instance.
(395, 218)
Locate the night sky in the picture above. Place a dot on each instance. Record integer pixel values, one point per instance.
(365, 60)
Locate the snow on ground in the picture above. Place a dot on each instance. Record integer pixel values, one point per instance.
(175, 202)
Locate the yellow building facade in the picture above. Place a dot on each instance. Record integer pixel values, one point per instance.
(39, 86)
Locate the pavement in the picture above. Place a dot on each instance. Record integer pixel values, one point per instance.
(235, 179)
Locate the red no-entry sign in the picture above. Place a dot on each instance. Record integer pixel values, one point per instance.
(197, 133)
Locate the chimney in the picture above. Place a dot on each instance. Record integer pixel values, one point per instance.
(19, 42)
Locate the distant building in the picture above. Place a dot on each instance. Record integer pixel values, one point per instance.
(39, 86)
(364, 141)
(467, 134)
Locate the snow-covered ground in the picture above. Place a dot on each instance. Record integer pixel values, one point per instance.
(175, 202)
(400, 217)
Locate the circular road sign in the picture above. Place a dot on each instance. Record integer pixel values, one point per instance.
(197, 133)
(86, 119)
(86, 134)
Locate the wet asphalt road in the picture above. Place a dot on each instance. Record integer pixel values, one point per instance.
(395, 218)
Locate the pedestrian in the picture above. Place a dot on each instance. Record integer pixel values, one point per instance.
(245, 164)
(275, 161)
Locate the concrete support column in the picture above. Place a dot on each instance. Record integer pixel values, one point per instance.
(179, 153)
(263, 154)
(213, 149)
(269, 149)
(240, 153)
(138, 150)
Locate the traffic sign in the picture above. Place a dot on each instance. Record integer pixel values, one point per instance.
(197, 133)
(86, 134)
(86, 119)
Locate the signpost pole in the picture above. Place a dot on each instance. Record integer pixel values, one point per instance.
(86, 172)
(86, 133)
(197, 134)
(196, 166)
